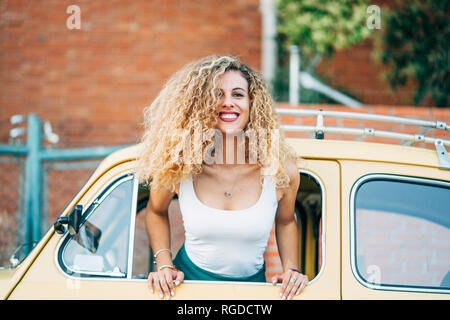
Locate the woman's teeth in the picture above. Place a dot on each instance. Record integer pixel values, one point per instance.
(229, 116)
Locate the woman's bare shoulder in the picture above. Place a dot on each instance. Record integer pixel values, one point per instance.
(160, 198)
(292, 170)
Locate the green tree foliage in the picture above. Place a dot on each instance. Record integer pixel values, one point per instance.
(322, 26)
(318, 27)
(415, 43)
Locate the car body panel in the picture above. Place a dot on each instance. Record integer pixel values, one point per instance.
(351, 172)
(325, 286)
(337, 164)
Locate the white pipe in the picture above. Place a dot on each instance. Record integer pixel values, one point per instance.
(294, 73)
(269, 45)
(309, 82)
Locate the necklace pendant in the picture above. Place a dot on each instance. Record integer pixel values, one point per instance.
(227, 194)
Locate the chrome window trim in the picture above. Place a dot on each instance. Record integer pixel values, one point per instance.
(354, 189)
(99, 197)
(105, 276)
(322, 223)
(132, 227)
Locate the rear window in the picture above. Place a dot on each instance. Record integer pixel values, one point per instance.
(401, 233)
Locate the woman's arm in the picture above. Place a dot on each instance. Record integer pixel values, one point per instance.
(157, 224)
(287, 238)
(158, 230)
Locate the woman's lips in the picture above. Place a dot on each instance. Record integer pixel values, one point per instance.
(228, 116)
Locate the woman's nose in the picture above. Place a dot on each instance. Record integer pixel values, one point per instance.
(227, 100)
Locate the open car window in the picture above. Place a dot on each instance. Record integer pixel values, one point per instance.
(113, 239)
(102, 247)
(308, 210)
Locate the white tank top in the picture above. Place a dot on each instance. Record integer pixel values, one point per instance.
(228, 242)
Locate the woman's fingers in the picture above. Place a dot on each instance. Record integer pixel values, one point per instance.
(158, 285)
(297, 282)
(179, 277)
(277, 278)
(302, 284)
(292, 284)
(165, 282)
(154, 278)
(284, 285)
(150, 281)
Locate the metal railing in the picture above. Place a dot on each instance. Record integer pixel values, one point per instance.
(35, 154)
(319, 129)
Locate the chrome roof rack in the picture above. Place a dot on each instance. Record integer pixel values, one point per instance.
(319, 129)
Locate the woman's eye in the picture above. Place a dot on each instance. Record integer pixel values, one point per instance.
(238, 94)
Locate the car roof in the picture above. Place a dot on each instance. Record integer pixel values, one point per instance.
(326, 149)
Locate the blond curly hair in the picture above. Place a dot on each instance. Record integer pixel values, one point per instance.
(185, 110)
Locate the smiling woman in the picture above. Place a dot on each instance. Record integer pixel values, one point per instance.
(230, 193)
(234, 109)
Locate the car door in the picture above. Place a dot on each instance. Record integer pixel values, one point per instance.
(96, 263)
(103, 260)
(319, 178)
(395, 231)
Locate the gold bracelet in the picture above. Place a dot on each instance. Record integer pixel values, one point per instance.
(161, 250)
(167, 266)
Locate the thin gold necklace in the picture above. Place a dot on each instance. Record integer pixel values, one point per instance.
(229, 194)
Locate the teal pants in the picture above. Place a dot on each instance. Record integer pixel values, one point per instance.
(193, 272)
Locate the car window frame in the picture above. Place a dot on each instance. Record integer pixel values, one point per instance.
(100, 196)
(130, 174)
(322, 222)
(355, 187)
(323, 239)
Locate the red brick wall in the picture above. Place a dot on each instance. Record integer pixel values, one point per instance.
(93, 83)
(356, 72)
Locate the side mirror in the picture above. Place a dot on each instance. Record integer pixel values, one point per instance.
(72, 221)
(89, 237)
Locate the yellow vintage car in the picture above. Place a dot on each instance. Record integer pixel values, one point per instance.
(374, 223)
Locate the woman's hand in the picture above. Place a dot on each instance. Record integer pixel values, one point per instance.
(292, 283)
(165, 281)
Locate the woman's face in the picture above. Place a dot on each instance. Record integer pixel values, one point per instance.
(233, 110)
